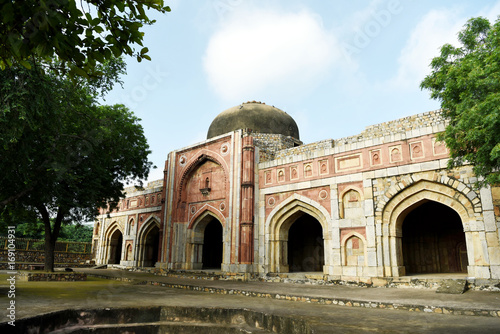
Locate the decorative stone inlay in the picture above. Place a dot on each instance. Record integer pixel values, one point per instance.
(271, 201)
(222, 206)
(224, 149)
(281, 175)
(267, 177)
(182, 160)
(438, 147)
(323, 194)
(323, 167)
(294, 173)
(375, 158)
(350, 162)
(308, 170)
(193, 209)
(395, 153)
(417, 150)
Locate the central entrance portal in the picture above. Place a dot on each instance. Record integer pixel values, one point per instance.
(305, 245)
(212, 245)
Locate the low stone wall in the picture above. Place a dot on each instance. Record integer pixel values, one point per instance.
(320, 300)
(43, 276)
(33, 256)
(27, 266)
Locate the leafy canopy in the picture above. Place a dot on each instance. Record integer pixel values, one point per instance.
(79, 38)
(64, 156)
(466, 80)
(70, 232)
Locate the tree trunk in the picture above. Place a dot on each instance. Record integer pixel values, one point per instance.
(50, 235)
(50, 245)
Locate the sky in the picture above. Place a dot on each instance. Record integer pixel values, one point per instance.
(335, 66)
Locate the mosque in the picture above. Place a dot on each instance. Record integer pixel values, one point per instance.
(252, 198)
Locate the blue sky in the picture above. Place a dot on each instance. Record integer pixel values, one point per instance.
(334, 66)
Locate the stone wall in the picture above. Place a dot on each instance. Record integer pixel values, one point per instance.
(270, 144)
(39, 257)
(400, 126)
(69, 277)
(304, 149)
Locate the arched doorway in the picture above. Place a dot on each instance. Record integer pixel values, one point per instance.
(151, 247)
(115, 247)
(433, 240)
(293, 210)
(305, 245)
(212, 245)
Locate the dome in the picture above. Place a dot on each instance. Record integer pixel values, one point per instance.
(257, 116)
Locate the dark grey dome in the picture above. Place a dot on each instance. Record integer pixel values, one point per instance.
(257, 116)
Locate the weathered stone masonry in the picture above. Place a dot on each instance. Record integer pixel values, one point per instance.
(379, 204)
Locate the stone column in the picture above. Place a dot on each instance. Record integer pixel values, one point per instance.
(247, 202)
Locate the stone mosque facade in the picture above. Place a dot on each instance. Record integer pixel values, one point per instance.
(253, 198)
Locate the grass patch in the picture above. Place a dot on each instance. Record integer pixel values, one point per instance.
(63, 290)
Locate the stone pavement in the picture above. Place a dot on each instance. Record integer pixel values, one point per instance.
(471, 303)
(319, 306)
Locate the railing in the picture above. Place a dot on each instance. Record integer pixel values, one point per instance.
(39, 244)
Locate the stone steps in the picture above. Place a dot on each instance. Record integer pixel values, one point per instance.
(174, 327)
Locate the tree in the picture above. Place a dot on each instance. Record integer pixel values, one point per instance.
(466, 80)
(66, 156)
(79, 38)
(34, 229)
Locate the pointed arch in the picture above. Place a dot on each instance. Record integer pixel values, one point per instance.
(198, 160)
(196, 238)
(150, 222)
(292, 205)
(113, 243)
(112, 228)
(434, 178)
(426, 190)
(203, 212)
(143, 246)
(344, 248)
(278, 224)
(409, 198)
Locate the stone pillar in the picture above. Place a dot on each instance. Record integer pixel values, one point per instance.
(247, 202)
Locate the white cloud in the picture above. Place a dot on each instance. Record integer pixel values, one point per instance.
(436, 28)
(491, 13)
(361, 17)
(259, 52)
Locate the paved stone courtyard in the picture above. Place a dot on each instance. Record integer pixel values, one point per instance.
(142, 289)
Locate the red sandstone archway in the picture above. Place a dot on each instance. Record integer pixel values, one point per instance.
(205, 247)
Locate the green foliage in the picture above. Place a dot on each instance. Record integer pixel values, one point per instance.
(79, 38)
(69, 232)
(466, 80)
(64, 156)
(76, 232)
(30, 230)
